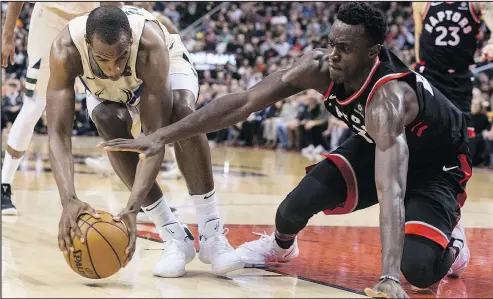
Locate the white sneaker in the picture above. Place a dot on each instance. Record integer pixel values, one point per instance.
(173, 173)
(307, 150)
(462, 259)
(265, 250)
(319, 149)
(178, 251)
(99, 165)
(216, 250)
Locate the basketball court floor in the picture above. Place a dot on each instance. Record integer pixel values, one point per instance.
(339, 255)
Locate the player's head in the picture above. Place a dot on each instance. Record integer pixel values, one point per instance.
(355, 39)
(109, 37)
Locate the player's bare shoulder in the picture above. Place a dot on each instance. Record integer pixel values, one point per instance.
(64, 56)
(152, 41)
(393, 106)
(311, 71)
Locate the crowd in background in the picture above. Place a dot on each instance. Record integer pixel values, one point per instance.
(264, 37)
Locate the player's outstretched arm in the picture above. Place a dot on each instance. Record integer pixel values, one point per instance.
(227, 110)
(385, 121)
(8, 44)
(65, 66)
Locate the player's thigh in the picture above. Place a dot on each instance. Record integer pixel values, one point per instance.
(185, 93)
(340, 184)
(113, 120)
(434, 198)
(43, 29)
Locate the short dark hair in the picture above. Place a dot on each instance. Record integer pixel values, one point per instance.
(108, 22)
(361, 13)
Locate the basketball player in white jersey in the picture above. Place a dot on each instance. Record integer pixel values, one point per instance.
(124, 58)
(47, 20)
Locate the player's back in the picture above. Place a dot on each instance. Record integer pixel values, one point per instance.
(68, 10)
(448, 39)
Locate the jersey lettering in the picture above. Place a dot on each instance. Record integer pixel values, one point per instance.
(424, 82)
(448, 36)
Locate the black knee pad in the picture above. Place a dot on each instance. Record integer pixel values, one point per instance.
(323, 187)
(424, 262)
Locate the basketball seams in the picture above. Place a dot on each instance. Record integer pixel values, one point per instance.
(87, 248)
(111, 246)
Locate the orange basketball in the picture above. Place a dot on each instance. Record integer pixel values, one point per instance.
(103, 252)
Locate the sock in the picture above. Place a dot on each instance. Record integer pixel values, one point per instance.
(205, 207)
(285, 241)
(9, 168)
(160, 214)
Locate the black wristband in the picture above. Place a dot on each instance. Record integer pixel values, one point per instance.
(384, 277)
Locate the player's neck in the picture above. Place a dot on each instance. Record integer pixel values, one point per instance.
(353, 85)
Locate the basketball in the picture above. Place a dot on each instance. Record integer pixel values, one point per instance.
(103, 252)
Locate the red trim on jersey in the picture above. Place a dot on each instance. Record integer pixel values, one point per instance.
(428, 231)
(473, 13)
(412, 129)
(427, 7)
(420, 131)
(355, 95)
(327, 93)
(349, 176)
(382, 81)
(465, 167)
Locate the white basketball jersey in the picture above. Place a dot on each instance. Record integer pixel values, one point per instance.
(127, 88)
(69, 10)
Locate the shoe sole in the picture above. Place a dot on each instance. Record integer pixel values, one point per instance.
(171, 275)
(9, 212)
(228, 268)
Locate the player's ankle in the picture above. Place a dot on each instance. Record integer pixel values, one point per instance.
(285, 241)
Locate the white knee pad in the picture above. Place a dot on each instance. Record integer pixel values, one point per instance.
(23, 127)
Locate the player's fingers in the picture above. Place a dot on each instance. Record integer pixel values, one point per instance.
(112, 142)
(68, 240)
(77, 231)
(61, 243)
(5, 60)
(122, 148)
(91, 211)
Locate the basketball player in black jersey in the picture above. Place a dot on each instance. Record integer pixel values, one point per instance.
(446, 41)
(409, 152)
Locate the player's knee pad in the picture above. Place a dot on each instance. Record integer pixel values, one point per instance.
(23, 127)
(424, 262)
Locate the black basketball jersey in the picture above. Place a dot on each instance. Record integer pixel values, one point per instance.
(439, 128)
(448, 39)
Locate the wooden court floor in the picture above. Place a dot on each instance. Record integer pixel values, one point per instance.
(339, 255)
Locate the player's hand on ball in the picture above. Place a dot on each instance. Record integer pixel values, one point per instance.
(146, 146)
(68, 223)
(386, 289)
(129, 217)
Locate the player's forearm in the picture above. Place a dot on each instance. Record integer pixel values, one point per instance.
(145, 177)
(391, 175)
(62, 165)
(218, 114)
(13, 12)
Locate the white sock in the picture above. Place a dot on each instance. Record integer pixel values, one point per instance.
(9, 168)
(205, 207)
(160, 214)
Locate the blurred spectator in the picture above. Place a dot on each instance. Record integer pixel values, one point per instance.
(11, 102)
(263, 37)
